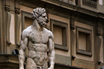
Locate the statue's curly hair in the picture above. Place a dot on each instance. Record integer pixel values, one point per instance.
(38, 12)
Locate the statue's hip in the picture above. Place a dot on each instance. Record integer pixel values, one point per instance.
(31, 64)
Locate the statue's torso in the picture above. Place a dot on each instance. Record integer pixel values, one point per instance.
(37, 46)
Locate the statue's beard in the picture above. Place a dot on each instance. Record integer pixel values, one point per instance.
(43, 24)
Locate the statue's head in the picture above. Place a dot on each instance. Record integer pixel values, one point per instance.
(40, 15)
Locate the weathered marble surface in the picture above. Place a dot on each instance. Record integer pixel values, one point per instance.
(39, 42)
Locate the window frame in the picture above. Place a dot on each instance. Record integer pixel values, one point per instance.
(80, 51)
(25, 14)
(63, 25)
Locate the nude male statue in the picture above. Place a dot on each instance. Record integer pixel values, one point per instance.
(39, 42)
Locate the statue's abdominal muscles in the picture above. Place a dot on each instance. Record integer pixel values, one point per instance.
(38, 52)
(38, 47)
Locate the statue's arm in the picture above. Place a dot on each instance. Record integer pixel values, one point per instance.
(52, 53)
(23, 45)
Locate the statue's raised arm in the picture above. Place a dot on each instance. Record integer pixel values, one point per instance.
(39, 42)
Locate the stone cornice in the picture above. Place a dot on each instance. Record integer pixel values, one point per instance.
(75, 8)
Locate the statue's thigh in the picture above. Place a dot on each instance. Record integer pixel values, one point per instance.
(30, 64)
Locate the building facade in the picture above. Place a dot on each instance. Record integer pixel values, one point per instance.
(77, 25)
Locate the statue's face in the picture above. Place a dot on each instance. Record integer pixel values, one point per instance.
(42, 20)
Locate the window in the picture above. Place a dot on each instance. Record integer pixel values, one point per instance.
(28, 21)
(59, 30)
(85, 38)
(90, 3)
(67, 1)
(83, 41)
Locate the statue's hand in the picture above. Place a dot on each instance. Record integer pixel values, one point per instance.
(21, 68)
(50, 68)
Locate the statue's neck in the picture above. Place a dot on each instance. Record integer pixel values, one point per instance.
(36, 25)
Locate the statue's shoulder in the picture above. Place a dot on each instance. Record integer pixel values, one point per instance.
(50, 33)
(26, 31)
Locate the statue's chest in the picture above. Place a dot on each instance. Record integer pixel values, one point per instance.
(38, 36)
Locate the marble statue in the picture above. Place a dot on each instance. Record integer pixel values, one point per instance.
(39, 42)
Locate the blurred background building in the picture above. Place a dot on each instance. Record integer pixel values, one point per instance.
(77, 25)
